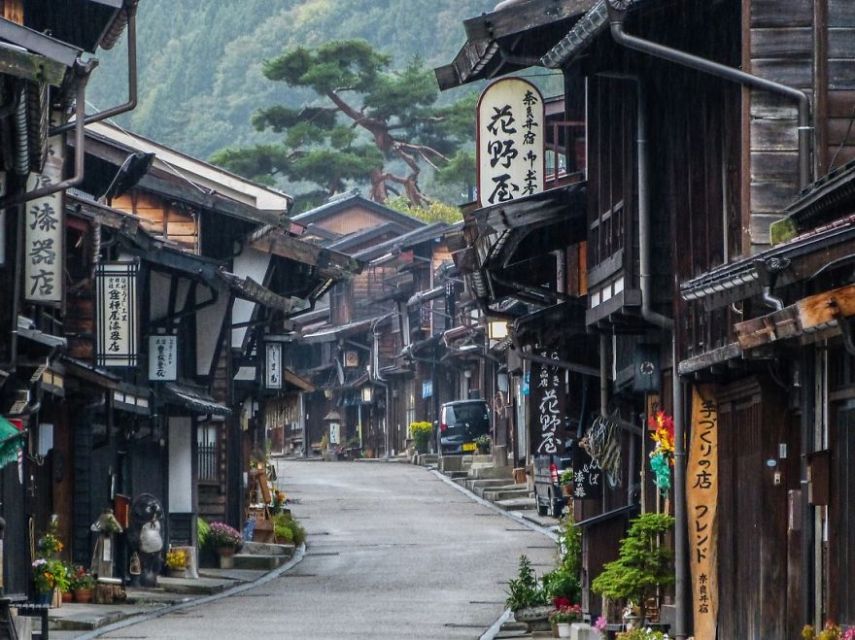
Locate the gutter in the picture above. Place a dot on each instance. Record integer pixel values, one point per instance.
(131, 12)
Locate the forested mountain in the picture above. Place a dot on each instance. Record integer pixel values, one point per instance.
(200, 60)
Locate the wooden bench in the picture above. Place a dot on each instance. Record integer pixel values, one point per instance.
(32, 610)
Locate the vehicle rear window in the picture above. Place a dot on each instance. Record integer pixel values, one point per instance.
(475, 414)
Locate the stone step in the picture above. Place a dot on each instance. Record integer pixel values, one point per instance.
(454, 475)
(252, 561)
(511, 493)
(267, 549)
(479, 486)
(486, 473)
(502, 486)
(516, 504)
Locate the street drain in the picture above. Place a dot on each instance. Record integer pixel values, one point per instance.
(525, 530)
(492, 515)
(546, 546)
(251, 595)
(318, 533)
(459, 625)
(321, 553)
(486, 602)
(299, 575)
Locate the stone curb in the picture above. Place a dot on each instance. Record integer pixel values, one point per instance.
(197, 602)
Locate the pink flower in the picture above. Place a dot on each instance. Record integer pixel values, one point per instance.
(600, 624)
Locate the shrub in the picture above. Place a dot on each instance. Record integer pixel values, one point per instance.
(287, 530)
(421, 432)
(176, 559)
(524, 591)
(222, 535)
(643, 564)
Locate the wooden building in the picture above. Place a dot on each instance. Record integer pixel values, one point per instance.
(700, 260)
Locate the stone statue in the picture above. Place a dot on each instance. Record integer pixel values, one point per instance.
(146, 540)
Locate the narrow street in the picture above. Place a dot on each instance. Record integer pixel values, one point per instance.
(393, 552)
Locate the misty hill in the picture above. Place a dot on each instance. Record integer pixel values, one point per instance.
(200, 60)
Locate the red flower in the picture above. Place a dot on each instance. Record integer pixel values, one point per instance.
(559, 602)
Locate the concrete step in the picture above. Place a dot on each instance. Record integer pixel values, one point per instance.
(425, 459)
(509, 493)
(267, 549)
(516, 504)
(500, 485)
(486, 473)
(479, 486)
(454, 475)
(252, 561)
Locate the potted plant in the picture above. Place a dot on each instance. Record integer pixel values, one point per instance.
(483, 443)
(563, 616)
(225, 540)
(286, 530)
(176, 563)
(566, 482)
(830, 631)
(421, 433)
(527, 598)
(81, 584)
(643, 565)
(49, 575)
(642, 633)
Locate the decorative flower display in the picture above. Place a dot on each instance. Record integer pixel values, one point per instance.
(569, 613)
(176, 559)
(222, 535)
(830, 631)
(49, 575)
(662, 456)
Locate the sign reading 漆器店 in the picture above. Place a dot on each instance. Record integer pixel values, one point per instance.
(117, 321)
(510, 141)
(44, 231)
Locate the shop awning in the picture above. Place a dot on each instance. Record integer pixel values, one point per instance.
(132, 399)
(193, 398)
(90, 373)
(11, 442)
(27, 329)
(331, 334)
(295, 380)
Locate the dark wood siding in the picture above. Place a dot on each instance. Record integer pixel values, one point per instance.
(841, 588)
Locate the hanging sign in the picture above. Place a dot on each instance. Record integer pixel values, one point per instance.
(117, 321)
(548, 404)
(44, 230)
(162, 358)
(273, 368)
(701, 499)
(587, 476)
(510, 141)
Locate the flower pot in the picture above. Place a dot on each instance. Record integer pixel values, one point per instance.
(83, 596)
(567, 490)
(177, 573)
(67, 596)
(537, 618)
(227, 557)
(43, 597)
(563, 629)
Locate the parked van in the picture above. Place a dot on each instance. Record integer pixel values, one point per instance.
(460, 422)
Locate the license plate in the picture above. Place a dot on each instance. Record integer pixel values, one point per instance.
(469, 446)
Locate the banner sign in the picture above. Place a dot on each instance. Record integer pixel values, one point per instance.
(117, 321)
(44, 232)
(548, 405)
(510, 141)
(163, 358)
(701, 499)
(273, 366)
(587, 476)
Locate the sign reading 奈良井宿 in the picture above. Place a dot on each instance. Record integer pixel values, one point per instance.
(44, 232)
(117, 322)
(162, 358)
(701, 501)
(510, 141)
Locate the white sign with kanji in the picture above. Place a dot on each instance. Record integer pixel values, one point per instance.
(117, 321)
(162, 358)
(273, 379)
(44, 232)
(510, 141)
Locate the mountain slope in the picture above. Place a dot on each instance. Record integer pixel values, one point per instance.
(200, 61)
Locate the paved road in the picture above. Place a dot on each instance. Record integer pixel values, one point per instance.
(393, 552)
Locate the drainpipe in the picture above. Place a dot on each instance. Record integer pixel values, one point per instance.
(604, 376)
(131, 12)
(682, 600)
(81, 71)
(726, 73)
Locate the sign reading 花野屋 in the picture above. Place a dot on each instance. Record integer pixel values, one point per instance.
(117, 322)
(163, 358)
(44, 230)
(548, 406)
(510, 141)
(701, 503)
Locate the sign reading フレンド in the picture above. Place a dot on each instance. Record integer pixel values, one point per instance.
(701, 499)
(510, 141)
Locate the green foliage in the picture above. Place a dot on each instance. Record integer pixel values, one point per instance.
(287, 530)
(421, 433)
(203, 533)
(642, 634)
(525, 590)
(370, 122)
(434, 212)
(643, 564)
(564, 580)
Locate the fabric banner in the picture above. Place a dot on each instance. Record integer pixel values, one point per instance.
(701, 499)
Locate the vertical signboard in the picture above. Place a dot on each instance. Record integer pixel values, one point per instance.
(548, 406)
(44, 230)
(163, 358)
(701, 499)
(117, 321)
(587, 476)
(273, 365)
(510, 149)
